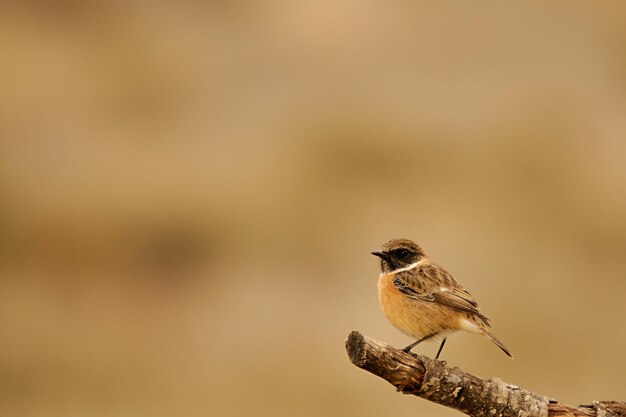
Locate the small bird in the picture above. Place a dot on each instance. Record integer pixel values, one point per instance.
(422, 300)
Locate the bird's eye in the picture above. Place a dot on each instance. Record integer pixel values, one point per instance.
(403, 253)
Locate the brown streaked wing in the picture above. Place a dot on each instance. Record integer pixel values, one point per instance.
(432, 283)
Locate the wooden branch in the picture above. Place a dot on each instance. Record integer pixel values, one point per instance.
(435, 381)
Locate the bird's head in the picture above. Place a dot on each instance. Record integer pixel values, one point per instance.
(398, 253)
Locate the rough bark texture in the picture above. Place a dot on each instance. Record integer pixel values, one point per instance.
(435, 381)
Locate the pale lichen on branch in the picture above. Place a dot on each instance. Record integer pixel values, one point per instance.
(435, 381)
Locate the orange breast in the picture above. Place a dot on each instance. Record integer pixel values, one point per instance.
(413, 317)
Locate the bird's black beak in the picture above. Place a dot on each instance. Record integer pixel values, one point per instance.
(381, 255)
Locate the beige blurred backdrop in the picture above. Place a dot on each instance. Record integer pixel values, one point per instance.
(189, 192)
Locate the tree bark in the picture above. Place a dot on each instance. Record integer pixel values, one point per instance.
(435, 381)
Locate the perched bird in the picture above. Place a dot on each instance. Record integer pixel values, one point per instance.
(422, 300)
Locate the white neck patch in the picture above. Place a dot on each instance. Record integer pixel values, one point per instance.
(408, 268)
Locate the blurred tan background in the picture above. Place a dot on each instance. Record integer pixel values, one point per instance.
(189, 193)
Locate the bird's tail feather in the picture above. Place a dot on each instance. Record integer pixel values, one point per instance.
(497, 342)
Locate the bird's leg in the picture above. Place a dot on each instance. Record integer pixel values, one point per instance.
(443, 342)
(412, 345)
